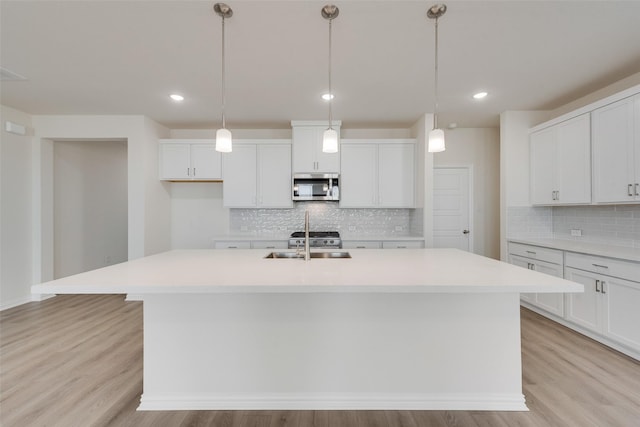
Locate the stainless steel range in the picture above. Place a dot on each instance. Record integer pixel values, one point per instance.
(317, 239)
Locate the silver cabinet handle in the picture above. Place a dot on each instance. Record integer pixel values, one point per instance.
(531, 252)
(465, 232)
(602, 287)
(597, 285)
(188, 172)
(194, 171)
(636, 187)
(600, 265)
(629, 190)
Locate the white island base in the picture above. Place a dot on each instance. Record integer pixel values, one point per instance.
(416, 351)
(385, 329)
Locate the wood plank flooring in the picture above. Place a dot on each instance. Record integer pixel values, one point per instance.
(76, 360)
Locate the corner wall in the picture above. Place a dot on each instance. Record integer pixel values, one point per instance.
(16, 234)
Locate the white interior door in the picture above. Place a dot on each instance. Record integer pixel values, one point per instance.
(451, 214)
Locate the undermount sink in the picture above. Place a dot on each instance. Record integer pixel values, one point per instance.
(295, 255)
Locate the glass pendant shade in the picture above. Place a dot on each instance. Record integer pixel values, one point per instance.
(330, 141)
(436, 141)
(223, 140)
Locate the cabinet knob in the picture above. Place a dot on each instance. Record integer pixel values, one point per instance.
(630, 190)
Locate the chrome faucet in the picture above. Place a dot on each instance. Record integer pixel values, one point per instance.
(307, 249)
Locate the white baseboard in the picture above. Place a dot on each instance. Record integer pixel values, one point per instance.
(277, 401)
(27, 299)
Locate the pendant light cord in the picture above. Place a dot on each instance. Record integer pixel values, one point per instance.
(223, 78)
(330, 92)
(435, 107)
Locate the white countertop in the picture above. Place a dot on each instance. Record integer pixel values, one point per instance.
(610, 251)
(369, 270)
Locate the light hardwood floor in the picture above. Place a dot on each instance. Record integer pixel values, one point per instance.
(77, 361)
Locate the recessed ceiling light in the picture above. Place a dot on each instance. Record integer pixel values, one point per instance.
(176, 97)
(480, 95)
(327, 96)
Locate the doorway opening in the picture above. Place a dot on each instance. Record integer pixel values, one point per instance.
(90, 206)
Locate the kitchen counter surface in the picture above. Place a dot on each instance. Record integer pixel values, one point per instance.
(369, 270)
(610, 251)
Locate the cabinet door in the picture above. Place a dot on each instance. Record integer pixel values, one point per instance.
(206, 162)
(358, 186)
(553, 303)
(175, 161)
(274, 176)
(543, 165)
(239, 184)
(304, 147)
(327, 162)
(396, 175)
(584, 308)
(613, 152)
(622, 311)
(307, 151)
(573, 171)
(636, 147)
(524, 263)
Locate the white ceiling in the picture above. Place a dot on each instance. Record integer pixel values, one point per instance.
(126, 57)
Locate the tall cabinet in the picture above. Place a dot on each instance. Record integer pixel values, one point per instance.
(378, 174)
(257, 174)
(561, 163)
(616, 152)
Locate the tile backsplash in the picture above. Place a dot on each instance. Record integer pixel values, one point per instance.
(327, 216)
(617, 225)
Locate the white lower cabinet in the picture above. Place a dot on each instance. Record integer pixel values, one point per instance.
(609, 306)
(269, 244)
(361, 244)
(232, 244)
(543, 260)
(402, 244)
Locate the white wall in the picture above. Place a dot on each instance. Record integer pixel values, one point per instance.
(514, 164)
(15, 211)
(480, 149)
(90, 205)
(148, 198)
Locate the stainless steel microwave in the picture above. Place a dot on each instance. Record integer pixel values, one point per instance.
(316, 186)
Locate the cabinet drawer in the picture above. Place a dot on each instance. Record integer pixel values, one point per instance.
(269, 244)
(536, 252)
(227, 244)
(361, 244)
(605, 266)
(402, 244)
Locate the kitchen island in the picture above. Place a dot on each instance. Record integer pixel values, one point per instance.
(386, 329)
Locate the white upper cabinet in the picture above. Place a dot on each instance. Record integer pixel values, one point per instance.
(561, 163)
(378, 174)
(616, 152)
(258, 175)
(307, 150)
(189, 160)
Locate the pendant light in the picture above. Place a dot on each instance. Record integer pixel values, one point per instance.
(330, 136)
(223, 135)
(436, 136)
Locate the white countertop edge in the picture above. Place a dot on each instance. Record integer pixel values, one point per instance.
(292, 289)
(598, 249)
(345, 237)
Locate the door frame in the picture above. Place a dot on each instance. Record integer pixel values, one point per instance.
(469, 169)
